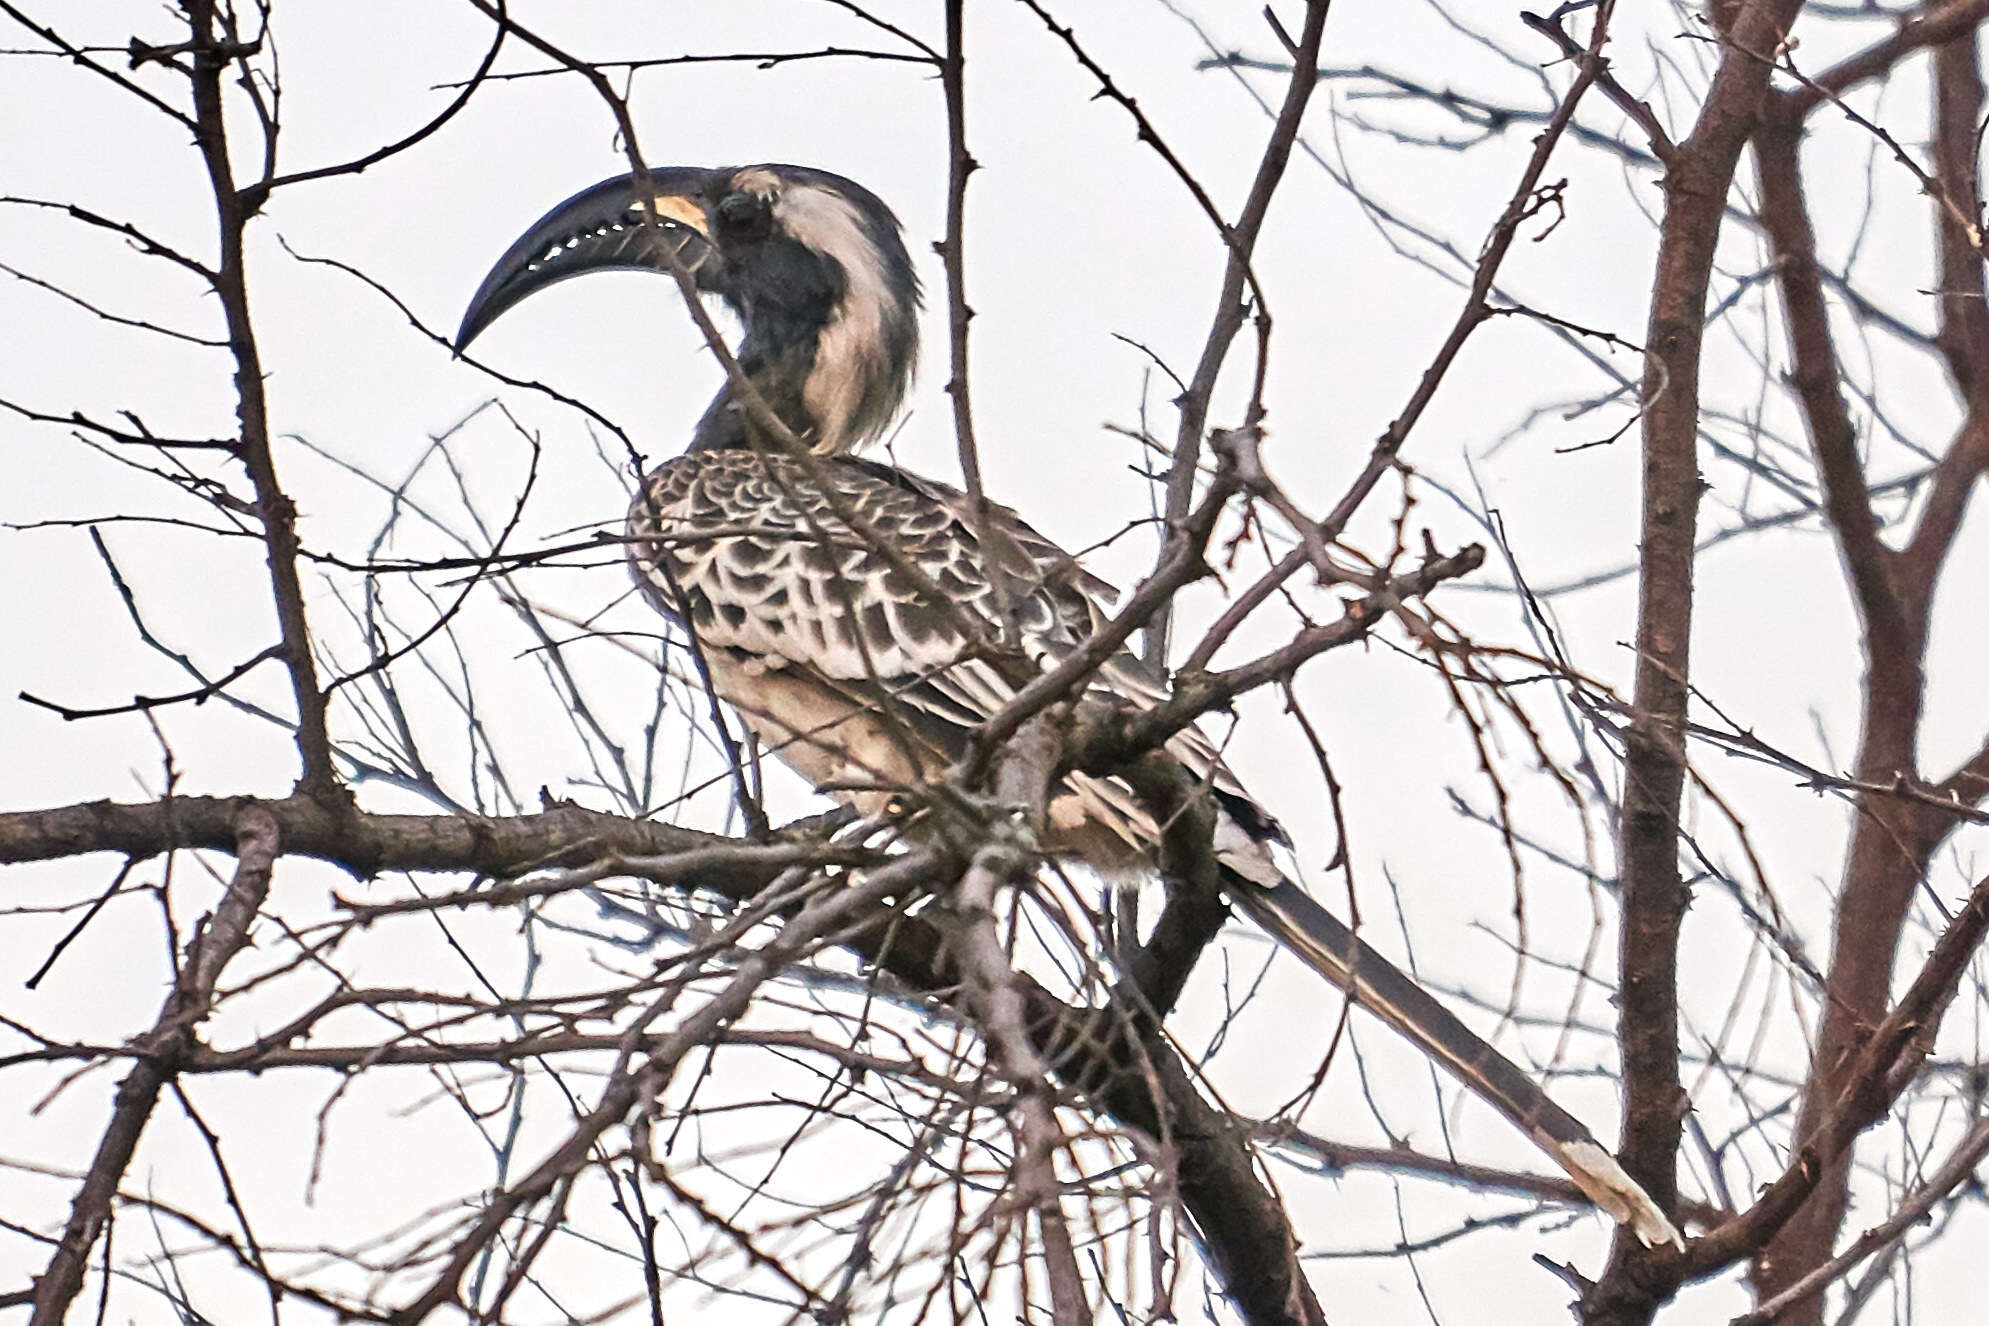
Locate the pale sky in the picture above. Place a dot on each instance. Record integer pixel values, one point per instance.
(1078, 235)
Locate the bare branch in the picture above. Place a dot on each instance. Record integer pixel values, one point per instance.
(162, 1050)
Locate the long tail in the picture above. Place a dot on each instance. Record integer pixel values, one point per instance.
(1323, 943)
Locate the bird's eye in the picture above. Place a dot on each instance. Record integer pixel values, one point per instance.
(744, 216)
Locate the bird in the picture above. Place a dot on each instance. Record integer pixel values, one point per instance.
(853, 613)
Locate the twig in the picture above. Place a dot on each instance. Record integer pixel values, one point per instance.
(1958, 1169)
(141, 703)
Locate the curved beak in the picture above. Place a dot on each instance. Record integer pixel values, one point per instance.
(597, 229)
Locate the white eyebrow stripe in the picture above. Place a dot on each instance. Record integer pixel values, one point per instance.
(764, 183)
(848, 357)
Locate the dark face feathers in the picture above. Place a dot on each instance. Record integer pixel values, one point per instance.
(813, 264)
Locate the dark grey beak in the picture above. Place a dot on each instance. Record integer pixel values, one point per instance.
(597, 229)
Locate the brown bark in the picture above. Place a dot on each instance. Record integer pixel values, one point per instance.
(1652, 892)
(1892, 839)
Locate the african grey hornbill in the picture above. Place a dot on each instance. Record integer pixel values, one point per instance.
(839, 659)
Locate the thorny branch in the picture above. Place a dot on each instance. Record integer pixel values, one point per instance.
(161, 1052)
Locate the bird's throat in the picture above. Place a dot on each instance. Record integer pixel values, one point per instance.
(779, 383)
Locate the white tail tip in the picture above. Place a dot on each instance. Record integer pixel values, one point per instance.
(1596, 1173)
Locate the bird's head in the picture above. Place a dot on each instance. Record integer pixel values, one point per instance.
(813, 264)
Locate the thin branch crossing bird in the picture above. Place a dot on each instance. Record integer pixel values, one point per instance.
(844, 607)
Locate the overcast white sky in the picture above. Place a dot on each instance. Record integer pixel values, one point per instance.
(1077, 235)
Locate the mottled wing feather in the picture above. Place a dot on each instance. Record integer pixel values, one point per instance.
(752, 558)
(749, 552)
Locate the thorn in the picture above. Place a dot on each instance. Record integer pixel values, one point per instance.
(1574, 1279)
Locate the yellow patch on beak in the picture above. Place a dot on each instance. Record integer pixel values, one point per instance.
(676, 207)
